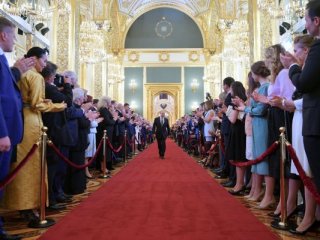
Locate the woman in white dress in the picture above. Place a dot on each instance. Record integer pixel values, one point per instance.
(302, 45)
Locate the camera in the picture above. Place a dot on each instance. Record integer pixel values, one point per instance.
(59, 80)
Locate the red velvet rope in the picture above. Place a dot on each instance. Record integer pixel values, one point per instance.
(73, 164)
(261, 158)
(8, 179)
(307, 181)
(113, 149)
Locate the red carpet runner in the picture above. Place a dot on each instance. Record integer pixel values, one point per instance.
(154, 199)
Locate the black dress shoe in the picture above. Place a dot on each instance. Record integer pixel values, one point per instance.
(67, 196)
(5, 236)
(229, 184)
(217, 170)
(56, 207)
(222, 176)
(28, 215)
(63, 200)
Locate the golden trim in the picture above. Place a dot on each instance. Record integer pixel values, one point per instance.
(164, 56)
(133, 56)
(194, 56)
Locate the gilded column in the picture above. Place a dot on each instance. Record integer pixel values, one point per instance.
(77, 39)
(63, 33)
(98, 80)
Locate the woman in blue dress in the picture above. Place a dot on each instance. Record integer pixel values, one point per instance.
(258, 112)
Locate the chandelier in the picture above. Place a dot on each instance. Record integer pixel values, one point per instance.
(29, 9)
(92, 43)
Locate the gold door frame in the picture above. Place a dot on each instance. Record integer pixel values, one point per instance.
(152, 90)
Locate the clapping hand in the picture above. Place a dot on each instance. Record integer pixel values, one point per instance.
(288, 59)
(86, 106)
(239, 103)
(91, 115)
(24, 64)
(276, 102)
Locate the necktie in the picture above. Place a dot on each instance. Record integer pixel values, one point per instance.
(162, 121)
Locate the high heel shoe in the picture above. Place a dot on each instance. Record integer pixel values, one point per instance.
(269, 206)
(257, 199)
(294, 230)
(239, 192)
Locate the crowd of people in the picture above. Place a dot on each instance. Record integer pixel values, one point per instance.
(283, 91)
(33, 95)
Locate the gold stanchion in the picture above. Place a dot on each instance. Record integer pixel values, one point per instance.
(104, 161)
(125, 146)
(42, 222)
(282, 224)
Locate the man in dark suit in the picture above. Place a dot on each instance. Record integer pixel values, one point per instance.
(307, 81)
(161, 130)
(54, 121)
(11, 121)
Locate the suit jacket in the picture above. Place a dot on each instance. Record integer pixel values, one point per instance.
(161, 131)
(52, 119)
(307, 81)
(11, 120)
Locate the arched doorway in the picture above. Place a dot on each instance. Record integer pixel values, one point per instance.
(173, 104)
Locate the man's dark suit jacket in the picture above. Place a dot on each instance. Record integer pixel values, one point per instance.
(161, 131)
(51, 119)
(308, 83)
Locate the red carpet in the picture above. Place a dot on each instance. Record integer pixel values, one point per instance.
(154, 199)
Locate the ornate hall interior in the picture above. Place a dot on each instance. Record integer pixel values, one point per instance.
(156, 55)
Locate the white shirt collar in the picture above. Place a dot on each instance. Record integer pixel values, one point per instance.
(1, 51)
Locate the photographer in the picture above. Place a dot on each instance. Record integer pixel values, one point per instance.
(54, 122)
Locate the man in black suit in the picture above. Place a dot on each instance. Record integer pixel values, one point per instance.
(54, 121)
(161, 130)
(307, 81)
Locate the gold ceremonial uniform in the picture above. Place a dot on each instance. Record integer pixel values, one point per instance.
(24, 191)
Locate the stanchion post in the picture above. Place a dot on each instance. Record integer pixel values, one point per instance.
(125, 146)
(104, 161)
(42, 222)
(282, 224)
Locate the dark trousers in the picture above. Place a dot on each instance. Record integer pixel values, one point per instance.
(311, 145)
(60, 176)
(161, 146)
(76, 179)
(53, 164)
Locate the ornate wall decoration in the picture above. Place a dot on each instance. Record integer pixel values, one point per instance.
(63, 35)
(194, 56)
(163, 28)
(98, 80)
(266, 32)
(164, 56)
(133, 56)
(132, 7)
